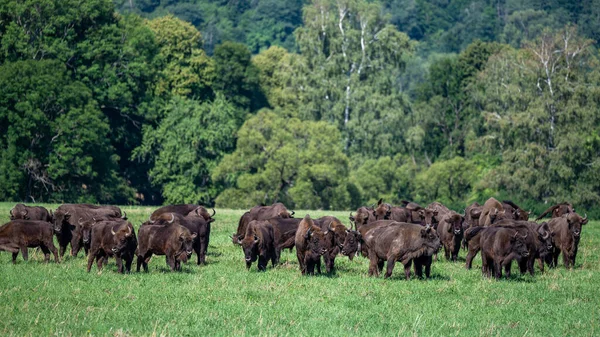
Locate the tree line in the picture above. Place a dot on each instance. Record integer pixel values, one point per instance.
(336, 110)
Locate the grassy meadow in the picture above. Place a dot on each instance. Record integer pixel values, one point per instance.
(223, 298)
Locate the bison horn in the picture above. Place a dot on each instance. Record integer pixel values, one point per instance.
(124, 216)
(546, 236)
(112, 231)
(239, 239)
(585, 217)
(255, 238)
(129, 231)
(196, 211)
(79, 221)
(215, 212)
(11, 212)
(329, 226)
(529, 213)
(25, 212)
(292, 214)
(150, 219)
(172, 218)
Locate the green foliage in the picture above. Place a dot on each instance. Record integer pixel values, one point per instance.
(300, 163)
(187, 145)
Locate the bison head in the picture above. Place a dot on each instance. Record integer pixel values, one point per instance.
(285, 214)
(456, 224)
(519, 244)
(203, 212)
(351, 244)
(362, 216)
(250, 245)
(431, 240)
(383, 211)
(61, 218)
(428, 217)
(122, 236)
(545, 238)
(575, 222)
(316, 241)
(186, 239)
(85, 227)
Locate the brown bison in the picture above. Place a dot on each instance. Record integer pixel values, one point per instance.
(557, 210)
(277, 210)
(450, 231)
(363, 216)
(112, 238)
(183, 209)
(310, 245)
(260, 243)
(402, 242)
(567, 233)
(354, 241)
(21, 234)
(515, 212)
(491, 212)
(67, 218)
(287, 229)
(174, 241)
(24, 212)
(336, 235)
(499, 246)
(472, 214)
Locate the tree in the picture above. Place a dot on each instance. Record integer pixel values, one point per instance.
(300, 163)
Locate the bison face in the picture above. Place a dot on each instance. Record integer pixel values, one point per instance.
(350, 245)
(575, 222)
(545, 238)
(456, 224)
(286, 215)
(382, 212)
(85, 227)
(60, 219)
(519, 244)
(316, 242)
(121, 238)
(428, 217)
(362, 217)
(431, 240)
(250, 248)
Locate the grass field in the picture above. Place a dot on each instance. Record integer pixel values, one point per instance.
(223, 298)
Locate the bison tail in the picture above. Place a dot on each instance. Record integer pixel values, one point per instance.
(472, 232)
(549, 210)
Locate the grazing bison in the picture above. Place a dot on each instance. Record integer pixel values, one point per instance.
(260, 243)
(21, 234)
(174, 241)
(567, 233)
(24, 212)
(67, 218)
(310, 245)
(499, 246)
(450, 231)
(112, 238)
(491, 212)
(557, 210)
(276, 210)
(402, 242)
(515, 212)
(363, 216)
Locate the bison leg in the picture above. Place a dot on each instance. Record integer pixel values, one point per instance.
(447, 252)
(418, 268)
(470, 256)
(91, 257)
(373, 266)
(380, 263)
(62, 251)
(52, 248)
(407, 270)
(497, 270)
(301, 262)
(14, 256)
(25, 253)
(310, 267)
(555, 254)
(566, 260)
(171, 262)
(428, 267)
(507, 267)
(119, 262)
(198, 248)
(390, 267)
(318, 264)
(46, 253)
(128, 262)
(262, 263)
(140, 261)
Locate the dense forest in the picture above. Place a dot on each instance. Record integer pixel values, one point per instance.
(322, 104)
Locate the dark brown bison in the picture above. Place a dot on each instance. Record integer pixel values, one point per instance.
(402, 242)
(310, 245)
(513, 211)
(499, 246)
(287, 228)
(363, 216)
(557, 210)
(112, 238)
(491, 212)
(277, 210)
(24, 212)
(260, 243)
(183, 209)
(567, 233)
(450, 231)
(440, 211)
(336, 235)
(21, 234)
(472, 214)
(174, 241)
(354, 241)
(67, 218)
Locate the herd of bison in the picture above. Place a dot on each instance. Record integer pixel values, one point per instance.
(409, 234)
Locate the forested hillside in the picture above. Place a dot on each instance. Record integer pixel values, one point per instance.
(318, 104)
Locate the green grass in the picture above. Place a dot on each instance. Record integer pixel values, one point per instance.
(223, 298)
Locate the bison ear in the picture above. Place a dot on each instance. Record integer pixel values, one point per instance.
(380, 201)
(308, 234)
(255, 238)
(194, 234)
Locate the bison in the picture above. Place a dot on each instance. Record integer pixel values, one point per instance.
(112, 238)
(491, 211)
(515, 212)
(277, 210)
(354, 241)
(260, 243)
(174, 241)
(499, 246)
(557, 210)
(450, 231)
(21, 234)
(24, 212)
(402, 242)
(336, 235)
(183, 209)
(363, 216)
(472, 214)
(310, 245)
(567, 233)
